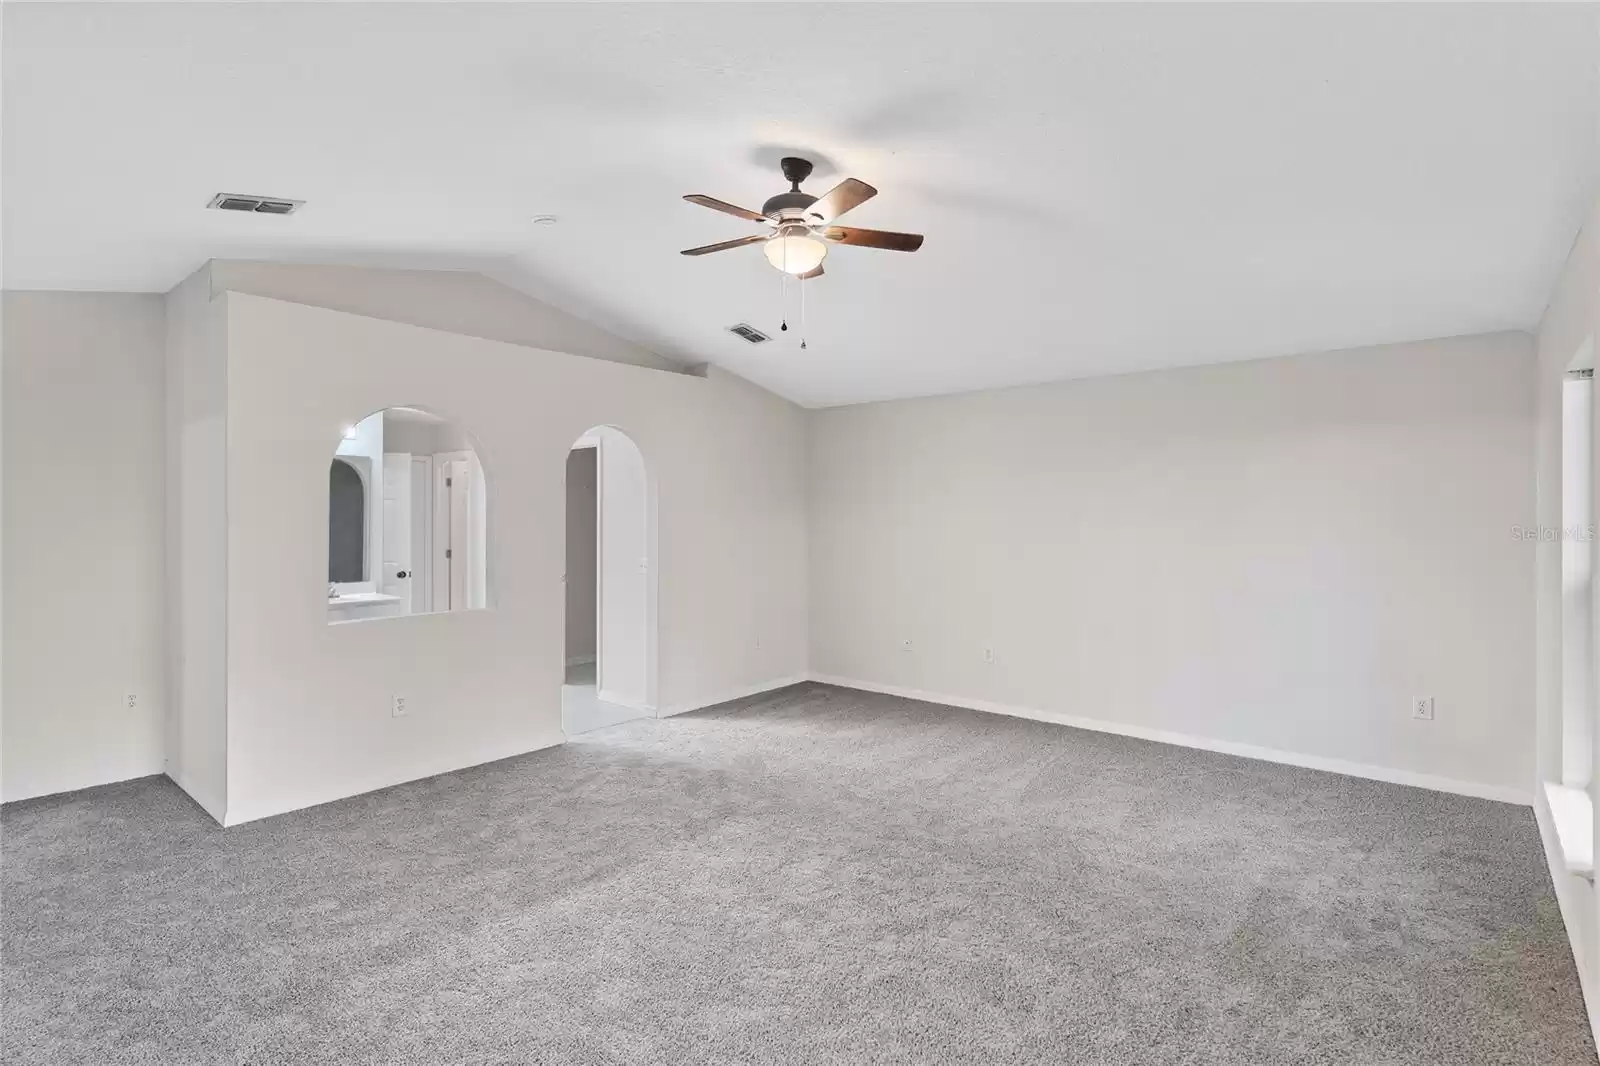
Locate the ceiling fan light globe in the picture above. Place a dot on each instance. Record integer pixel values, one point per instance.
(795, 254)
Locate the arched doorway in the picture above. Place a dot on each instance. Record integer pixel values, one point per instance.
(609, 584)
(408, 509)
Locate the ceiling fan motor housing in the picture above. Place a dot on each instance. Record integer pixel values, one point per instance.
(788, 201)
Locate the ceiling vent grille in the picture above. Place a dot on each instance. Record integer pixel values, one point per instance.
(749, 333)
(260, 205)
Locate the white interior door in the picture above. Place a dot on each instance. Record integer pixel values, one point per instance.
(394, 578)
(458, 479)
(421, 475)
(458, 521)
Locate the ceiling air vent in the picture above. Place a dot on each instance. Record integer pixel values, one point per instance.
(261, 205)
(749, 333)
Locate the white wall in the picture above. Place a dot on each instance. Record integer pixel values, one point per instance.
(459, 301)
(196, 583)
(84, 491)
(1277, 554)
(309, 704)
(582, 575)
(1571, 320)
(418, 437)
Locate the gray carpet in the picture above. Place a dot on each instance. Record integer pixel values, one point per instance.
(812, 876)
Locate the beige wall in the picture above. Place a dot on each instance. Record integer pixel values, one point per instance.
(84, 486)
(1277, 555)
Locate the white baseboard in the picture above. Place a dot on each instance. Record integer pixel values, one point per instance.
(239, 814)
(617, 701)
(579, 660)
(748, 690)
(1503, 793)
(57, 788)
(212, 805)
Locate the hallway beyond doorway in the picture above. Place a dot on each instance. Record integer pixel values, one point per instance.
(582, 709)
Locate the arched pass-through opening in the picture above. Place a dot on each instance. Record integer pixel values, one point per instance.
(408, 513)
(609, 583)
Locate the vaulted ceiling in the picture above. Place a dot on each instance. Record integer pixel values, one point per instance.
(1103, 188)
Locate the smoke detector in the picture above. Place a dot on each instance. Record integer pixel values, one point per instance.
(260, 205)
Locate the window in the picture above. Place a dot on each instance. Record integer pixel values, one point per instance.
(1567, 786)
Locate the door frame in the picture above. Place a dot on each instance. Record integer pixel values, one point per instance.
(649, 702)
(422, 554)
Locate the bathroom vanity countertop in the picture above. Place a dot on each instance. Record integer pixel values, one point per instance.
(361, 599)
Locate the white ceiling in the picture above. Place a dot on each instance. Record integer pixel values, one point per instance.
(1104, 188)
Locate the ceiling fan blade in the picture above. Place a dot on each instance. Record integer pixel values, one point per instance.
(726, 208)
(874, 238)
(814, 272)
(725, 245)
(839, 199)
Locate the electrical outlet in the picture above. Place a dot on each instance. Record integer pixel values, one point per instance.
(398, 707)
(130, 700)
(988, 655)
(1422, 708)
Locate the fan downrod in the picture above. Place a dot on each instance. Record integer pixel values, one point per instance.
(794, 201)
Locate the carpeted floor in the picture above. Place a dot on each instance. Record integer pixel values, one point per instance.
(812, 876)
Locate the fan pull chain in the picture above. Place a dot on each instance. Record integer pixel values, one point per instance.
(783, 302)
(803, 288)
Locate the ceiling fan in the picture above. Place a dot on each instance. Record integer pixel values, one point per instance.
(802, 224)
